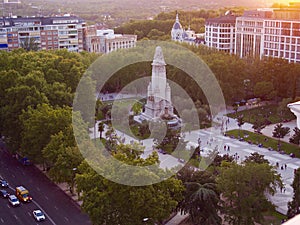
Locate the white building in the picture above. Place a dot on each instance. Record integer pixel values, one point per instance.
(295, 108)
(99, 39)
(262, 33)
(181, 35)
(220, 33)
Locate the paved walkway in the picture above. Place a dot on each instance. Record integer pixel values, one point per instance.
(213, 138)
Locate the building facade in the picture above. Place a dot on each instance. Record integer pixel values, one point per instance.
(103, 40)
(220, 33)
(181, 35)
(273, 33)
(60, 32)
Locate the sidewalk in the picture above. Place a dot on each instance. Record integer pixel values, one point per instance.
(64, 187)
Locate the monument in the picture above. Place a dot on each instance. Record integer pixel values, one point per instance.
(295, 108)
(159, 104)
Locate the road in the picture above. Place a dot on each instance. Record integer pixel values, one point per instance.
(58, 207)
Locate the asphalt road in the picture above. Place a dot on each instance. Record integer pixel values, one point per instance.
(58, 207)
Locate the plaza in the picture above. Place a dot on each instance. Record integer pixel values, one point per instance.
(212, 138)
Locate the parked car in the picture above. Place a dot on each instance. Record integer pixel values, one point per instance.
(13, 200)
(4, 193)
(38, 215)
(4, 183)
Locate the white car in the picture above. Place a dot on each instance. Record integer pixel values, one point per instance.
(13, 200)
(38, 215)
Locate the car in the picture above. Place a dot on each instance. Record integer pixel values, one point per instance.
(4, 183)
(4, 193)
(38, 215)
(13, 200)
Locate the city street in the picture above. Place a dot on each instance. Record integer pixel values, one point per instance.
(57, 206)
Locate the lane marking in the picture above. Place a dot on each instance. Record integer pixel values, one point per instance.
(2, 220)
(66, 219)
(44, 211)
(46, 198)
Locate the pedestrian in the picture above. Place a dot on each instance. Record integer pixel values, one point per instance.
(285, 166)
(277, 164)
(281, 167)
(228, 148)
(224, 147)
(283, 190)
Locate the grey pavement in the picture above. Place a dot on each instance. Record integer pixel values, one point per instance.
(213, 138)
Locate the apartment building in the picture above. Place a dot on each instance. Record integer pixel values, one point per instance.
(59, 32)
(103, 40)
(220, 33)
(260, 33)
(250, 33)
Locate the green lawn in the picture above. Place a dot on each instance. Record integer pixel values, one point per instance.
(266, 141)
(268, 112)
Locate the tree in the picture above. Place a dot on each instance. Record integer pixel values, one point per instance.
(65, 167)
(101, 127)
(264, 90)
(37, 127)
(30, 44)
(256, 158)
(258, 125)
(201, 202)
(282, 109)
(295, 139)
(243, 189)
(280, 132)
(240, 121)
(112, 139)
(201, 199)
(111, 203)
(294, 205)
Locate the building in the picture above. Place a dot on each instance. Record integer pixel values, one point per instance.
(271, 33)
(249, 33)
(295, 108)
(181, 35)
(220, 33)
(59, 32)
(103, 40)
